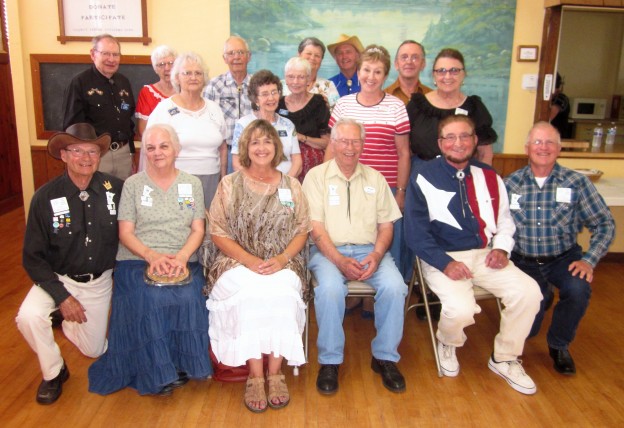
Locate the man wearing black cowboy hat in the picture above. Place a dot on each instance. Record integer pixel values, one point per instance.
(70, 245)
(103, 97)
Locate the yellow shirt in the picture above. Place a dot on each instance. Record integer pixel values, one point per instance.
(350, 209)
(395, 89)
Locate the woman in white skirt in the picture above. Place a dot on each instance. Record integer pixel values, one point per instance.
(259, 222)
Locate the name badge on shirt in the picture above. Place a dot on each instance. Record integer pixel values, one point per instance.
(173, 111)
(564, 194)
(125, 105)
(370, 190)
(185, 196)
(283, 112)
(59, 206)
(146, 199)
(334, 200)
(282, 133)
(285, 197)
(110, 203)
(514, 204)
(333, 190)
(461, 111)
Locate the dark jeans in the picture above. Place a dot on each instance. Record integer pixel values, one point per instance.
(574, 294)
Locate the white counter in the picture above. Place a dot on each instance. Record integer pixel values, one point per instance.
(612, 190)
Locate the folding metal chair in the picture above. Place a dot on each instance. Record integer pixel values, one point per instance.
(417, 276)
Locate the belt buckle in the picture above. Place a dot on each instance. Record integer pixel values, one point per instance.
(114, 146)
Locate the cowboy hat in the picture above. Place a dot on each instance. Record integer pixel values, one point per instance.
(76, 134)
(352, 40)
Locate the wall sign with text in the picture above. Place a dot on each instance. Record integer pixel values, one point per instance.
(82, 20)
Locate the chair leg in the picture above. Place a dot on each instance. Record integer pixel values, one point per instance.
(434, 343)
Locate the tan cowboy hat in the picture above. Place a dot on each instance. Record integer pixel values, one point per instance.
(76, 134)
(352, 40)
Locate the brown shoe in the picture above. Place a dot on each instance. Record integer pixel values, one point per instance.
(254, 393)
(278, 391)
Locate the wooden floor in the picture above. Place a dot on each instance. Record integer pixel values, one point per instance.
(477, 397)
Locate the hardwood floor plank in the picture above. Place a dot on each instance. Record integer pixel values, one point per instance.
(476, 398)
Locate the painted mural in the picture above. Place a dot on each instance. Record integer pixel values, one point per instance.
(481, 29)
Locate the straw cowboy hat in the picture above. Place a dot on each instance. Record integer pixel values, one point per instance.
(352, 40)
(76, 134)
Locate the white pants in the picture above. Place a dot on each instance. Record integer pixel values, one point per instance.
(33, 321)
(519, 293)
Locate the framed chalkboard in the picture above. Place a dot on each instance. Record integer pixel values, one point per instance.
(52, 73)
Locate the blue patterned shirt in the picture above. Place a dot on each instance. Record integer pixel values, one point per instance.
(342, 84)
(232, 99)
(549, 219)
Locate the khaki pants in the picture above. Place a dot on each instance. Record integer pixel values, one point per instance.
(519, 293)
(33, 321)
(118, 162)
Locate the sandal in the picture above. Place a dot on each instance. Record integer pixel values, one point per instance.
(254, 392)
(277, 389)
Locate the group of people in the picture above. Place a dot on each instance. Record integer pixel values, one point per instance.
(340, 178)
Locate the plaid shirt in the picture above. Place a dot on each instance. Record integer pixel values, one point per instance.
(232, 99)
(549, 219)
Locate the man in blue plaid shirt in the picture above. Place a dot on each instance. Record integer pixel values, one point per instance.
(550, 204)
(229, 89)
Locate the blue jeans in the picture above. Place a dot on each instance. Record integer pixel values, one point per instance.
(574, 295)
(329, 304)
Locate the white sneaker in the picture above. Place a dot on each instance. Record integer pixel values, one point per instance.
(448, 360)
(514, 374)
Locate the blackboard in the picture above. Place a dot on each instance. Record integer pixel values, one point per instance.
(51, 74)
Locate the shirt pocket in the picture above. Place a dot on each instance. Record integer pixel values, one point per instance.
(563, 217)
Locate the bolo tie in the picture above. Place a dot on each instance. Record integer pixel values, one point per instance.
(84, 195)
(349, 84)
(348, 201)
(460, 175)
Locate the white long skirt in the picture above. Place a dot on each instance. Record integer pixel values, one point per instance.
(253, 314)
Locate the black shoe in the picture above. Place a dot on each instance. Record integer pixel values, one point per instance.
(434, 308)
(563, 361)
(327, 379)
(50, 390)
(181, 381)
(166, 391)
(57, 318)
(390, 374)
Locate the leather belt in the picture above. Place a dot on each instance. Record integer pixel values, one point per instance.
(540, 260)
(116, 145)
(85, 277)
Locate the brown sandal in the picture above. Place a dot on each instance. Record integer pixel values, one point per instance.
(254, 392)
(277, 389)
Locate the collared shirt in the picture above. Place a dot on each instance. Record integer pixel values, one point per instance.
(395, 89)
(344, 85)
(549, 219)
(447, 209)
(231, 97)
(67, 236)
(350, 209)
(107, 104)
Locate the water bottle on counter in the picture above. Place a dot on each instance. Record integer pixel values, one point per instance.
(611, 132)
(598, 133)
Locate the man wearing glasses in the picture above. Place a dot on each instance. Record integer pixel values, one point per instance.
(69, 252)
(550, 205)
(229, 89)
(103, 97)
(457, 221)
(353, 210)
(408, 62)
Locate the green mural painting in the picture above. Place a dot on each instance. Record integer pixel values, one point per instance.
(481, 29)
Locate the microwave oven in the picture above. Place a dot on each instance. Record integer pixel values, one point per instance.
(588, 108)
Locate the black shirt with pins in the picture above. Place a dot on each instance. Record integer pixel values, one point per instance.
(79, 240)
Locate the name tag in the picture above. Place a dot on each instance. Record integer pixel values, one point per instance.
(370, 190)
(59, 206)
(564, 194)
(282, 133)
(514, 204)
(285, 197)
(461, 111)
(185, 190)
(334, 200)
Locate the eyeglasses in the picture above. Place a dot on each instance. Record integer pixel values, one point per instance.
(190, 73)
(273, 93)
(454, 71)
(408, 58)
(108, 54)
(239, 52)
(544, 143)
(78, 153)
(164, 63)
(463, 137)
(344, 142)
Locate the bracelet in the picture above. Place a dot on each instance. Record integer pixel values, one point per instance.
(287, 256)
(400, 189)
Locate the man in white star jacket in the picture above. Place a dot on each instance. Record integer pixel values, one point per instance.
(457, 220)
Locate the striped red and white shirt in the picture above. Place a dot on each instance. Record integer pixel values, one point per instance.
(382, 122)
